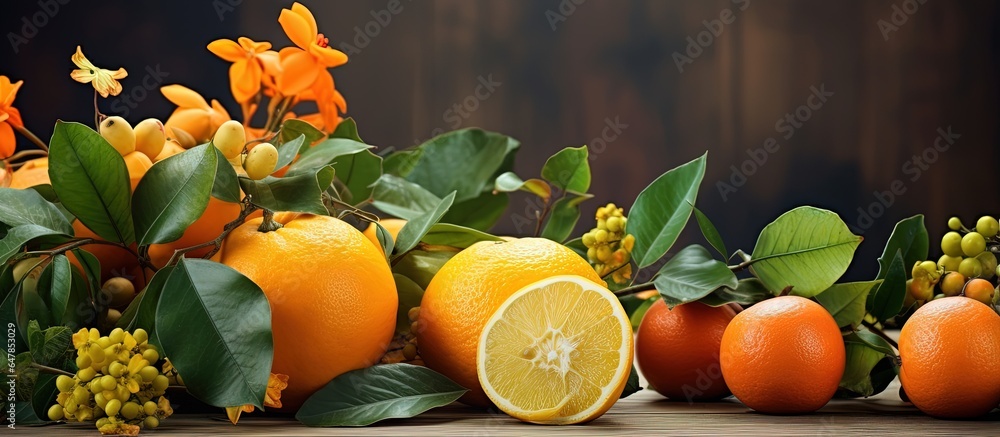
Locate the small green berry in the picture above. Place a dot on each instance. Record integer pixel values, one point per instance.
(973, 244)
(987, 226)
(954, 223)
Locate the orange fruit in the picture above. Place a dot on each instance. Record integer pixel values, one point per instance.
(949, 349)
(677, 350)
(470, 287)
(332, 295)
(207, 228)
(784, 355)
(391, 225)
(979, 289)
(34, 172)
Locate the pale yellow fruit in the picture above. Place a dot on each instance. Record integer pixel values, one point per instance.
(558, 351)
(230, 138)
(119, 134)
(150, 137)
(261, 161)
(170, 148)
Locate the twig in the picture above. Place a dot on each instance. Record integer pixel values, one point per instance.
(248, 209)
(879, 333)
(31, 137)
(545, 213)
(52, 370)
(634, 289)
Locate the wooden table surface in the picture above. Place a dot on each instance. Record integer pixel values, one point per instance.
(644, 413)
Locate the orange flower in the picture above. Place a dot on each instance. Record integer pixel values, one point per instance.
(301, 66)
(246, 71)
(328, 100)
(104, 81)
(272, 397)
(193, 114)
(10, 117)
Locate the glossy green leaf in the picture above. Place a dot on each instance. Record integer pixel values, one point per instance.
(49, 347)
(43, 395)
(509, 182)
(401, 198)
(300, 193)
(662, 209)
(748, 292)
(326, 153)
(846, 302)
(414, 230)
(91, 267)
(806, 248)
(141, 313)
(410, 293)
(632, 386)
(173, 194)
(293, 128)
(562, 219)
(569, 169)
(691, 275)
(711, 233)
(369, 395)
(385, 239)
(55, 285)
(347, 128)
(288, 150)
(226, 187)
(465, 161)
(18, 236)
(886, 300)
(909, 237)
(860, 378)
(27, 207)
(358, 172)
(479, 213)
(421, 266)
(215, 325)
(446, 234)
(401, 162)
(91, 179)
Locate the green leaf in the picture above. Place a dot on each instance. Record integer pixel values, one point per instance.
(509, 182)
(886, 301)
(711, 233)
(390, 391)
(43, 395)
(91, 179)
(632, 386)
(479, 213)
(872, 340)
(748, 292)
(569, 169)
(466, 161)
(385, 239)
(662, 209)
(18, 236)
(27, 207)
(288, 150)
(421, 266)
(401, 198)
(636, 318)
(865, 368)
(55, 285)
(173, 194)
(326, 153)
(415, 229)
(226, 187)
(910, 238)
(91, 267)
(141, 313)
(446, 234)
(357, 167)
(9, 301)
(300, 193)
(49, 347)
(410, 293)
(347, 128)
(401, 162)
(846, 302)
(577, 246)
(691, 275)
(562, 219)
(293, 128)
(806, 248)
(215, 325)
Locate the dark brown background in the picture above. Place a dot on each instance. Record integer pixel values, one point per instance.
(611, 60)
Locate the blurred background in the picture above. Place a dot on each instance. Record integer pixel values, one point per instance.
(834, 104)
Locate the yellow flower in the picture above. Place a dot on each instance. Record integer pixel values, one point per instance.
(272, 398)
(246, 71)
(193, 114)
(81, 338)
(301, 66)
(10, 117)
(104, 81)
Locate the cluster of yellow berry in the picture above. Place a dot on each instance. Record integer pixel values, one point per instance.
(116, 384)
(609, 249)
(966, 268)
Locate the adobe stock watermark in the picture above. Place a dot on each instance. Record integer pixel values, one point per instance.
(900, 16)
(224, 7)
(562, 12)
(30, 26)
(460, 111)
(786, 125)
(11, 395)
(697, 44)
(915, 167)
(128, 100)
(364, 34)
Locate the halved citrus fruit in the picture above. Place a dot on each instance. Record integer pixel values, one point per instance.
(558, 351)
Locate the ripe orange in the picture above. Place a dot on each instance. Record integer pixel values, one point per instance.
(783, 356)
(333, 299)
(391, 225)
(678, 350)
(34, 172)
(949, 349)
(208, 227)
(470, 287)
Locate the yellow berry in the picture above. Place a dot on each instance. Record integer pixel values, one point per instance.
(592, 254)
(149, 408)
(140, 336)
(56, 412)
(117, 335)
(113, 407)
(628, 242)
(80, 394)
(970, 268)
(100, 400)
(604, 254)
(601, 236)
(64, 383)
(108, 382)
(987, 226)
(160, 383)
(261, 161)
(973, 244)
(148, 373)
(588, 239)
(614, 224)
(954, 223)
(151, 422)
(86, 374)
(130, 410)
(150, 137)
(230, 138)
(949, 263)
(119, 134)
(151, 355)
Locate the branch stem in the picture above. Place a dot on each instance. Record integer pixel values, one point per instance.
(52, 370)
(31, 137)
(875, 330)
(634, 289)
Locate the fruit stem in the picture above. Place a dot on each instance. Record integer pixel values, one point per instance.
(638, 288)
(31, 137)
(268, 224)
(874, 329)
(52, 370)
(248, 208)
(545, 212)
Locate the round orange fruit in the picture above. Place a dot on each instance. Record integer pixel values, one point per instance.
(34, 172)
(207, 228)
(677, 350)
(391, 225)
(784, 355)
(332, 295)
(949, 349)
(470, 287)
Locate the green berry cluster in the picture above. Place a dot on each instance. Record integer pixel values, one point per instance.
(966, 268)
(609, 248)
(116, 384)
